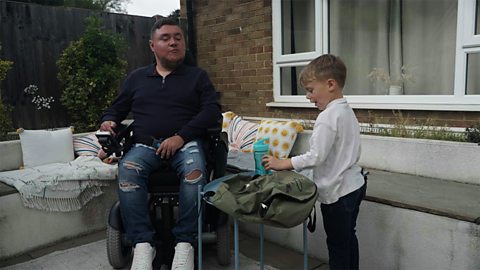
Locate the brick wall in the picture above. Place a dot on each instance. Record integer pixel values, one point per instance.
(234, 45)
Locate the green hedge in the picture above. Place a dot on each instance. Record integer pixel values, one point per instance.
(5, 110)
(90, 70)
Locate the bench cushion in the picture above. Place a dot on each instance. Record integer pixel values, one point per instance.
(281, 136)
(87, 145)
(46, 146)
(241, 134)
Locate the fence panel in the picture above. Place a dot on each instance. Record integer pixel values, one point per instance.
(33, 37)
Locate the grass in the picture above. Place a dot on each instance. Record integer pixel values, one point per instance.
(407, 127)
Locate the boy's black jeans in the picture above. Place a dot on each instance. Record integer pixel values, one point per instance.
(339, 221)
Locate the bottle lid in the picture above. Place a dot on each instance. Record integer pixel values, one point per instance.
(260, 145)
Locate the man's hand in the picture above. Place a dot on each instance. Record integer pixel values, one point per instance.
(272, 163)
(169, 146)
(108, 126)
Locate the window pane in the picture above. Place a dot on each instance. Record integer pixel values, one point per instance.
(477, 18)
(416, 36)
(298, 26)
(289, 81)
(473, 69)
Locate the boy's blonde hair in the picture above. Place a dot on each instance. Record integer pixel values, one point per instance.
(324, 67)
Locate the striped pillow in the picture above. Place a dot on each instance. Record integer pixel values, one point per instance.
(241, 134)
(86, 145)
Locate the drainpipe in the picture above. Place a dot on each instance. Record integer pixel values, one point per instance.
(192, 43)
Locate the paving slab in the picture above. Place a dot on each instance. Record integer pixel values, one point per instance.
(93, 256)
(89, 253)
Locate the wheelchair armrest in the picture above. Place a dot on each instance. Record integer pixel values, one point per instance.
(118, 143)
(214, 131)
(217, 129)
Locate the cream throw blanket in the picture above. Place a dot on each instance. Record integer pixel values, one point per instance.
(62, 187)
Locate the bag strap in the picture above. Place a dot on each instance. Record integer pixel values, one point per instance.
(312, 221)
(365, 174)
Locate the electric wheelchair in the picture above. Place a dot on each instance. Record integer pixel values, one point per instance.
(163, 203)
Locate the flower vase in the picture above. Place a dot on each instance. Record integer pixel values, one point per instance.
(395, 90)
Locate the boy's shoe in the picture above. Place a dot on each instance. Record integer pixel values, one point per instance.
(143, 255)
(184, 256)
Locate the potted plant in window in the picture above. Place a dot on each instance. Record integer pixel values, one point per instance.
(393, 85)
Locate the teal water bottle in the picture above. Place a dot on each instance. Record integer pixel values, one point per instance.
(260, 149)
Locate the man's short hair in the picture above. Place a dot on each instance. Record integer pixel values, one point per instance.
(324, 67)
(161, 22)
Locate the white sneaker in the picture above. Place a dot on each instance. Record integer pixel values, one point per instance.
(183, 259)
(143, 255)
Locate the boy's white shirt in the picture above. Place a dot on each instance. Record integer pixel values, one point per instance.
(334, 152)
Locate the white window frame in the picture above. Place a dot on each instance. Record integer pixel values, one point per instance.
(466, 42)
(297, 59)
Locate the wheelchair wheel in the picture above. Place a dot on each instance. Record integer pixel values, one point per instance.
(119, 253)
(224, 255)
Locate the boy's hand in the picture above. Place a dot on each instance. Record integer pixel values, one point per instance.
(272, 163)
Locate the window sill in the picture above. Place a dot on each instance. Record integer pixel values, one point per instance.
(420, 103)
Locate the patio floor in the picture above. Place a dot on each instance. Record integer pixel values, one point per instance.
(89, 253)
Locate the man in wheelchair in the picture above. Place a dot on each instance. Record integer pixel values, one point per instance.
(172, 105)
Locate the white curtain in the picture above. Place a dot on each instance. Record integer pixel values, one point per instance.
(473, 80)
(389, 34)
(473, 61)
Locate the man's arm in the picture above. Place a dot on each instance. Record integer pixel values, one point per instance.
(209, 114)
(119, 109)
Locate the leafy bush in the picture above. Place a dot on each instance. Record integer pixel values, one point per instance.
(5, 120)
(473, 134)
(90, 70)
(103, 5)
(5, 110)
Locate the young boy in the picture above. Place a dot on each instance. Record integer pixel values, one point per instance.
(333, 156)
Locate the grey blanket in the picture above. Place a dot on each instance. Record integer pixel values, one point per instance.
(61, 187)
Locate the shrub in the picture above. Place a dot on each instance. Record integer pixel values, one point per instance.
(404, 126)
(5, 110)
(473, 134)
(90, 70)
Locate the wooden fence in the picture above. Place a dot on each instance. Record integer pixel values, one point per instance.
(33, 37)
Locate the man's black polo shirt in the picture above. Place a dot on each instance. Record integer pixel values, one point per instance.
(183, 102)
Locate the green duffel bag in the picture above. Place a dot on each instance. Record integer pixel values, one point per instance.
(283, 199)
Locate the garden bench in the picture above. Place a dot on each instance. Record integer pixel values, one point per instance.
(406, 221)
(24, 229)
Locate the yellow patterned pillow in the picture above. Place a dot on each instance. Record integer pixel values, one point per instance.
(281, 136)
(227, 119)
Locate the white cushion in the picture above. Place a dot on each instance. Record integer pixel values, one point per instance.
(42, 146)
